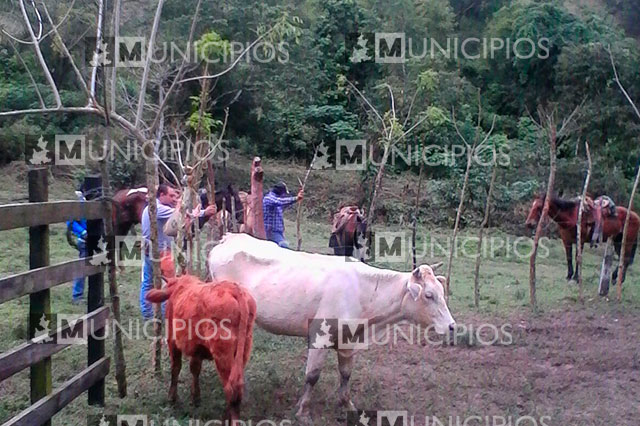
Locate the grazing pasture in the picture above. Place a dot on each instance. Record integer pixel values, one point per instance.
(577, 364)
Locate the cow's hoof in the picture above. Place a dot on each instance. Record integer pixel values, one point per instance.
(304, 418)
(347, 405)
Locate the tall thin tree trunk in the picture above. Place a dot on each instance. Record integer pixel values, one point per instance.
(485, 221)
(414, 225)
(256, 227)
(605, 270)
(463, 193)
(377, 183)
(579, 225)
(152, 185)
(543, 216)
(623, 251)
(118, 348)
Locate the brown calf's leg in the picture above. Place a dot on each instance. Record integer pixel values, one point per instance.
(232, 391)
(195, 365)
(176, 364)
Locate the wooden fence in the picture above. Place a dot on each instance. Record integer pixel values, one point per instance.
(36, 353)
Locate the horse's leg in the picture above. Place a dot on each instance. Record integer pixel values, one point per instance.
(568, 250)
(575, 274)
(617, 248)
(345, 363)
(629, 256)
(315, 361)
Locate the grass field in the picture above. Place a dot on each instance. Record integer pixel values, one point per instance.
(577, 364)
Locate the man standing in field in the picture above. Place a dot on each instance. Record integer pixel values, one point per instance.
(273, 205)
(167, 201)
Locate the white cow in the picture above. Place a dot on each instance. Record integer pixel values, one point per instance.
(292, 287)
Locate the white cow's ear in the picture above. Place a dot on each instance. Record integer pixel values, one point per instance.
(442, 279)
(414, 290)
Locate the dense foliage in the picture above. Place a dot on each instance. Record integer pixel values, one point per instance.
(288, 106)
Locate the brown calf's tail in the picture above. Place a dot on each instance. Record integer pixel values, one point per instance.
(243, 344)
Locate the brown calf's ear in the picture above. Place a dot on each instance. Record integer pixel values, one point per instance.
(157, 296)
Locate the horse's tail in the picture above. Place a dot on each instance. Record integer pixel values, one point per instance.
(632, 255)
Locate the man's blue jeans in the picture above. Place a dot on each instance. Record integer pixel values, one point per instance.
(278, 238)
(146, 307)
(78, 283)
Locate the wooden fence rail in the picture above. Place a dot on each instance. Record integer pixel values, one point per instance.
(36, 353)
(35, 280)
(25, 215)
(41, 347)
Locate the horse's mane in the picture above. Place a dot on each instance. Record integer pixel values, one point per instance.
(561, 203)
(564, 205)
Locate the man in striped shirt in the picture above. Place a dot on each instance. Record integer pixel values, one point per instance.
(273, 205)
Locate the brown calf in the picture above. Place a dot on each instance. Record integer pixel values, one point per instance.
(211, 321)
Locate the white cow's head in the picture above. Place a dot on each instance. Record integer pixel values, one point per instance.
(424, 301)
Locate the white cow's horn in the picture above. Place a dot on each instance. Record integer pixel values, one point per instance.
(436, 265)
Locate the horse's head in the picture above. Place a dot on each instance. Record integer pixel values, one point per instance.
(604, 208)
(535, 212)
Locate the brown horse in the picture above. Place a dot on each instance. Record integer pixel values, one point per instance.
(128, 207)
(348, 233)
(565, 214)
(130, 203)
(609, 222)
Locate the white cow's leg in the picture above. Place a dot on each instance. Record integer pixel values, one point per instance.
(315, 361)
(345, 363)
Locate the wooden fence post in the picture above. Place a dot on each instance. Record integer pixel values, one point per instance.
(95, 295)
(40, 302)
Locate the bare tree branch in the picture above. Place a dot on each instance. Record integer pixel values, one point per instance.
(373, 109)
(66, 52)
(55, 27)
(455, 125)
(43, 63)
(624, 91)
(96, 53)
(233, 64)
(178, 76)
(33, 81)
(147, 66)
(116, 33)
(35, 9)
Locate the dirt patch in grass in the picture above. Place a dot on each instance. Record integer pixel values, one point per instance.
(572, 367)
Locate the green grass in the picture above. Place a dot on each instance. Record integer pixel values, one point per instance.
(276, 371)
